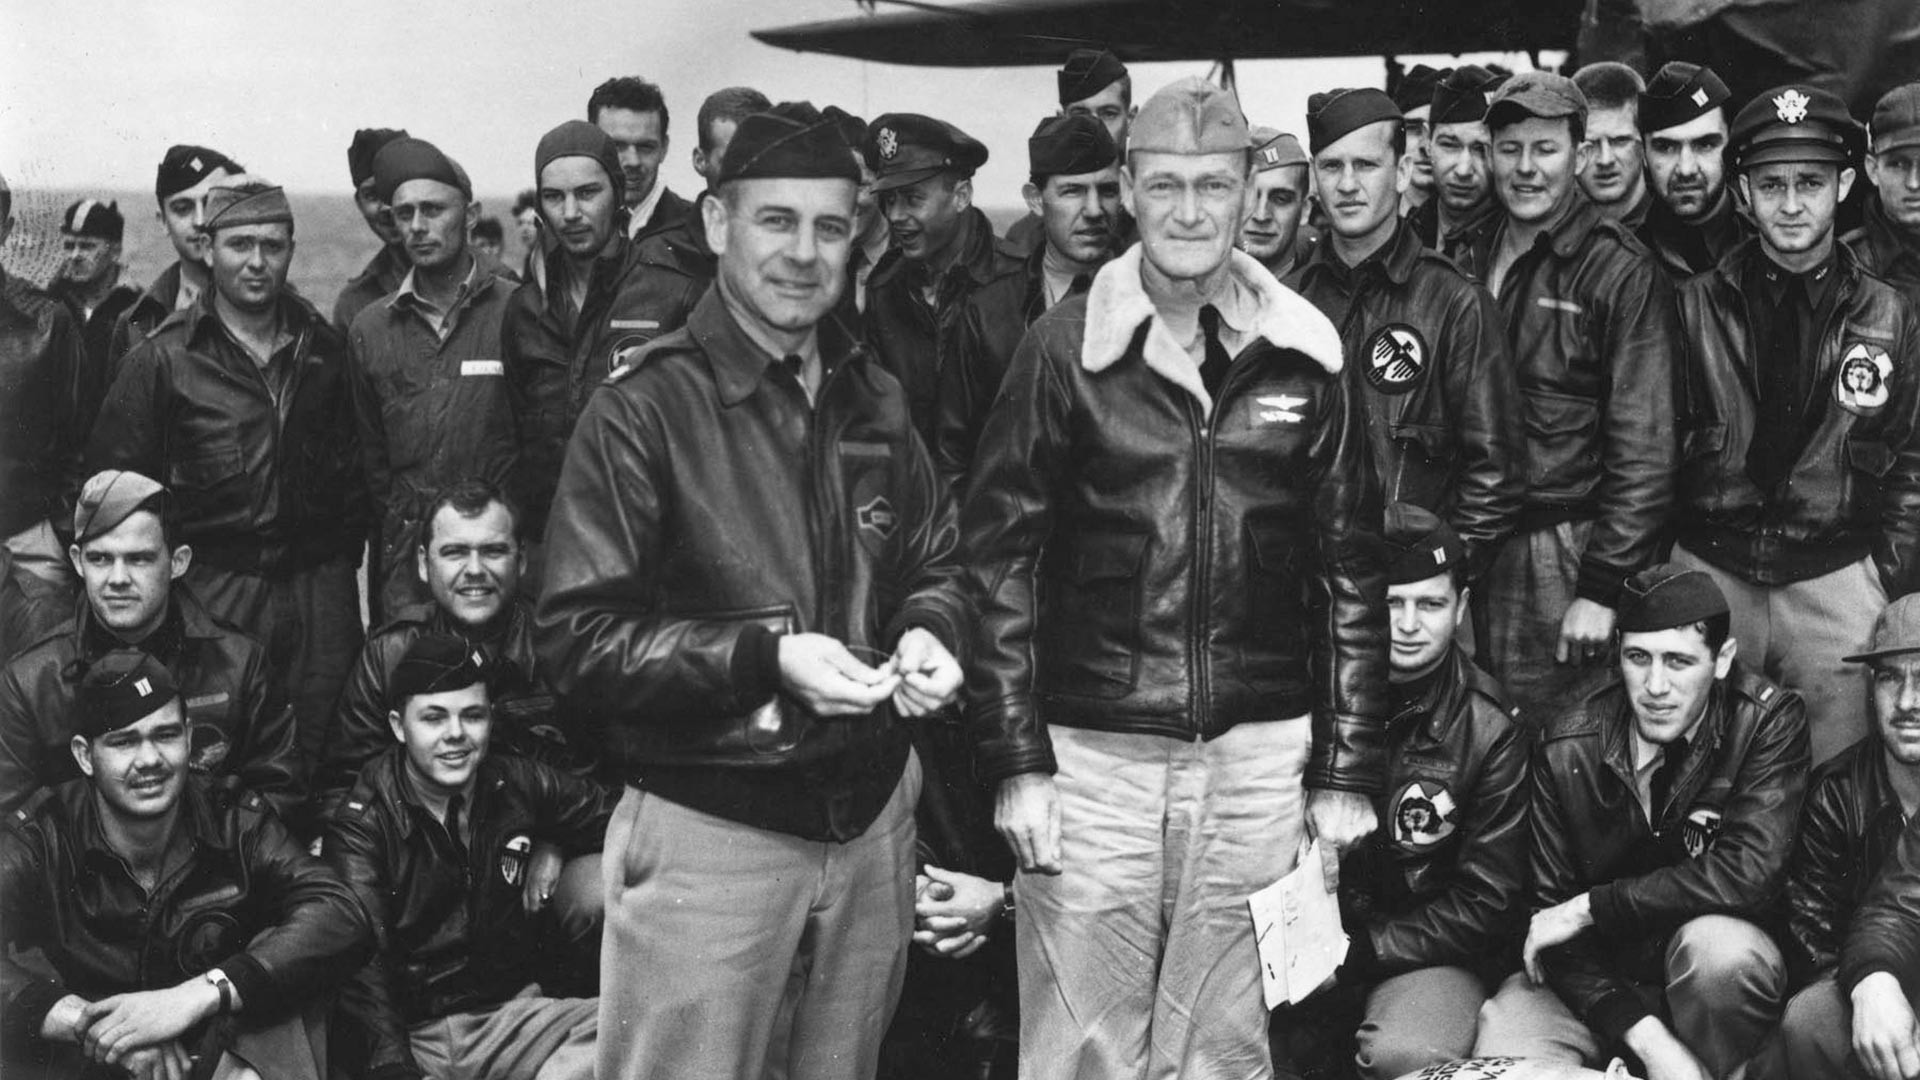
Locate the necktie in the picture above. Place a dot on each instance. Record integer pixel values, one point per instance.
(1672, 758)
(795, 366)
(455, 828)
(1081, 283)
(1213, 370)
(1783, 398)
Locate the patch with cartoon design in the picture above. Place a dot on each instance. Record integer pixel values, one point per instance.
(1861, 383)
(1424, 813)
(514, 857)
(1396, 358)
(1698, 831)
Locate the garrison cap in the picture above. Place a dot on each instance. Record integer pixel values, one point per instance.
(1070, 145)
(1191, 116)
(1275, 149)
(1680, 92)
(110, 497)
(366, 145)
(184, 166)
(1896, 119)
(906, 148)
(1540, 94)
(1896, 631)
(252, 202)
(435, 664)
(91, 217)
(1415, 88)
(1665, 596)
(1461, 97)
(408, 158)
(792, 140)
(1420, 545)
(1796, 122)
(1335, 114)
(852, 128)
(123, 687)
(578, 138)
(1087, 72)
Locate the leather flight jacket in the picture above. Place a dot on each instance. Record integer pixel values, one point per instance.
(1850, 826)
(1443, 880)
(993, 319)
(1719, 846)
(456, 936)
(238, 893)
(1597, 351)
(1887, 250)
(1686, 248)
(1150, 562)
(707, 508)
(1426, 356)
(45, 390)
(1885, 932)
(1855, 489)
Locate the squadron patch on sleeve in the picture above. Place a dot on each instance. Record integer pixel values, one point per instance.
(1396, 357)
(1860, 384)
(1424, 814)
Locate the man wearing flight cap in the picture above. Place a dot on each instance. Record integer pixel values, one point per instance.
(1683, 118)
(944, 251)
(130, 557)
(177, 917)
(428, 372)
(241, 403)
(1801, 488)
(1426, 355)
(768, 816)
(1172, 523)
(180, 187)
(1857, 807)
(1413, 96)
(383, 272)
(1596, 345)
(1463, 206)
(1074, 185)
(1094, 83)
(1273, 232)
(1663, 811)
(1888, 240)
(89, 283)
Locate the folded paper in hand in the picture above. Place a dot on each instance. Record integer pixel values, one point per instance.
(1297, 923)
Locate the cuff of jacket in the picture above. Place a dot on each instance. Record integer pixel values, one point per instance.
(755, 668)
(1614, 1013)
(1849, 975)
(258, 994)
(1600, 584)
(1353, 758)
(933, 622)
(1362, 957)
(1016, 741)
(28, 1010)
(1603, 903)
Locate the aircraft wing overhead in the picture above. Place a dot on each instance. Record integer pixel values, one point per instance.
(995, 33)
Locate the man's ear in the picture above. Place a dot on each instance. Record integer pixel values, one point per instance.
(420, 563)
(1743, 192)
(398, 728)
(1126, 191)
(178, 562)
(1032, 195)
(1847, 177)
(78, 747)
(73, 556)
(963, 193)
(713, 214)
(1723, 662)
(1582, 157)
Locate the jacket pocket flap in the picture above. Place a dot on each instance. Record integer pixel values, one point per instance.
(1702, 439)
(1273, 549)
(1559, 414)
(1870, 456)
(208, 466)
(1115, 555)
(1431, 438)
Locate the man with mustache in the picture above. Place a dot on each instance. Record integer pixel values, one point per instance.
(1858, 806)
(180, 187)
(241, 402)
(1615, 177)
(383, 272)
(1683, 121)
(1273, 232)
(1413, 96)
(176, 917)
(1799, 490)
(1425, 352)
(1596, 344)
(1888, 240)
(428, 372)
(1463, 206)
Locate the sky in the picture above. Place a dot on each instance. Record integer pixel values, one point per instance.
(93, 91)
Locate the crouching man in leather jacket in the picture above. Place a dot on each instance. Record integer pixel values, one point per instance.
(741, 508)
(1173, 525)
(1664, 804)
(177, 916)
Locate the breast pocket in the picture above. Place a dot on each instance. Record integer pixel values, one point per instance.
(204, 468)
(1562, 429)
(1092, 618)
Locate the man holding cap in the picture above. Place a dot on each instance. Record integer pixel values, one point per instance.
(89, 283)
(1800, 492)
(130, 558)
(944, 250)
(1092, 83)
(1074, 185)
(428, 373)
(1172, 525)
(1615, 177)
(383, 272)
(742, 508)
(1430, 897)
(1888, 240)
(1692, 223)
(1664, 805)
(178, 918)
(1272, 233)
(185, 176)
(1596, 345)
(1413, 96)
(1459, 143)
(1858, 806)
(1425, 351)
(241, 402)
(435, 837)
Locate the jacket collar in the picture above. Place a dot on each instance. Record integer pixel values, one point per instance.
(975, 261)
(740, 366)
(402, 805)
(1430, 702)
(296, 315)
(512, 645)
(1395, 259)
(1118, 305)
(1734, 265)
(1890, 245)
(200, 824)
(385, 269)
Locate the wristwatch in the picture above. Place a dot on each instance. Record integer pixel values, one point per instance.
(219, 980)
(1006, 901)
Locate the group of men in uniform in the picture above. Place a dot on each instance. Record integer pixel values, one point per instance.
(1498, 497)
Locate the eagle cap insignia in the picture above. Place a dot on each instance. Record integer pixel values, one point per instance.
(889, 143)
(1791, 106)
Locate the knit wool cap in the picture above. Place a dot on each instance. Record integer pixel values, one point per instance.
(1087, 72)
(1665, 596)
(184, 166)
(91, 217)
(1191, 116)
(792, 140)
(434, 664)
(1335, 114)
(408, 158)
(578, 138)
(121, 688)
(366, 145)
(1680, 92)
(255, 202)
(1069, 146)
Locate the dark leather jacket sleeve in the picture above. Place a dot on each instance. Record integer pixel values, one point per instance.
(19, 742)
(1492, 471)
(26, 994)
(366, 413)
(270, 761)
(323, 936)
(1896, 551)
(1820, 880)
(129, 432)
(1885, 935)
(368, 1002)
(360, 728)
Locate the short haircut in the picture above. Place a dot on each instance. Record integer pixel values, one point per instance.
(525, 201)
(1576, 125)
(1610, 85)
(468, 497)
(627, 92)
(1716, 629)
(735, 103)
(488, 228)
